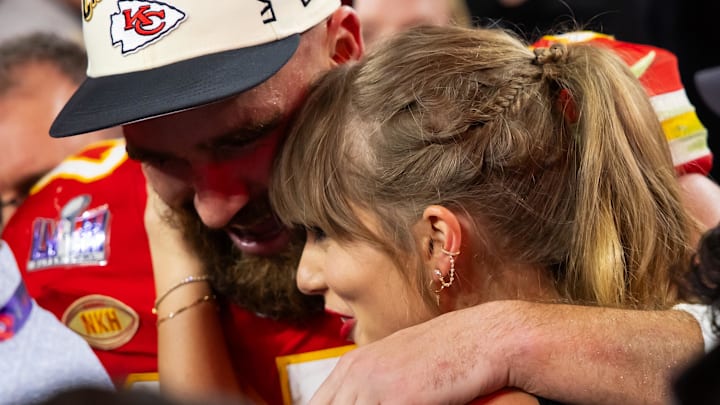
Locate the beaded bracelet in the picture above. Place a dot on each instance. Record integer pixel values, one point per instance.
(199, 301)
(186, 280)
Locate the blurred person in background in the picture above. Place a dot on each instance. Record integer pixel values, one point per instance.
(383, 18)
(38, 74)
(24, 17)
(698, 384)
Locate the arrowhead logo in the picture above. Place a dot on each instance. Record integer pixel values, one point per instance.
(138, 24)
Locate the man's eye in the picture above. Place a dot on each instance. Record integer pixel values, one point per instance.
(149, 158)
(167, 165)
(156, 161)
(11, 201)
(230, 152)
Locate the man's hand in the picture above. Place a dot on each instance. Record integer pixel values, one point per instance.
(568, 353)
(449, 359)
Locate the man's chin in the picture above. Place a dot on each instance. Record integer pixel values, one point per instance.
(268, 246)
(256, 275)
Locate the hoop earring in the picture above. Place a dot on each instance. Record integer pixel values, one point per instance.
(451, 274)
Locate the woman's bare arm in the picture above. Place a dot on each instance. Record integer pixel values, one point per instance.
(193, 359)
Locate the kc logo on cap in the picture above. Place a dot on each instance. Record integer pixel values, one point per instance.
(140, 23)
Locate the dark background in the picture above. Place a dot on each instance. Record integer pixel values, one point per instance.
(690, 29)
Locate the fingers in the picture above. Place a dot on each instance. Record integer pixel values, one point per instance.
(448, 359)
(360, 378)
(331, 386)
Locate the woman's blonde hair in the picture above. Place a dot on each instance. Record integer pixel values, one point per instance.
(557, 156)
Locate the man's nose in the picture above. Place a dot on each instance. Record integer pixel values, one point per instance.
(309, 277)
(218, 196)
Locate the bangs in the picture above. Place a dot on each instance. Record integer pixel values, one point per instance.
(314, 182)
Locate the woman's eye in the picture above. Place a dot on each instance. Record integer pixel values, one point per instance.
(317, 233)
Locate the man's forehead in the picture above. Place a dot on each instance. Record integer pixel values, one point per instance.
(276, 98)
(206, 128)
(271, 104)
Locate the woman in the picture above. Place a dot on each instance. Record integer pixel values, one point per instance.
(456, 166)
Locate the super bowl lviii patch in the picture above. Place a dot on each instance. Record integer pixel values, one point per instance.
(77, 237)
(104, 322)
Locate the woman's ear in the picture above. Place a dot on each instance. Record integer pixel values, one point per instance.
(344, 38)
(446, 232)
(440, 236)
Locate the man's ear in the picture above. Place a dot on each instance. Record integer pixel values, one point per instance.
(445, 233)
(344, 38)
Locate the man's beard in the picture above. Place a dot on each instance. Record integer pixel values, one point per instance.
(261, 284)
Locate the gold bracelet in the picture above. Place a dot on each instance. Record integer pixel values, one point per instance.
(198, 301)
(186, 280)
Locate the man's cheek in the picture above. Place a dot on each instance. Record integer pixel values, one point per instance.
(259, 166)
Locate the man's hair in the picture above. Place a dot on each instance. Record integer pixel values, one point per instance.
(557, 159)
(68, 57)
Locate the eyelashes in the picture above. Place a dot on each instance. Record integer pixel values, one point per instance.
(317, 234)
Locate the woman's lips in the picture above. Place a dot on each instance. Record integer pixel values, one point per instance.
(348, 324)
(347, 328)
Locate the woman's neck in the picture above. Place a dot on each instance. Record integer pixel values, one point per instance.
(508, 281)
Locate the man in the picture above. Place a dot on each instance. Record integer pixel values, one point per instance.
(205, 94)
(38, 74)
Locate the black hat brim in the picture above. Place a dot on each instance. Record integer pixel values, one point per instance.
(108, 101)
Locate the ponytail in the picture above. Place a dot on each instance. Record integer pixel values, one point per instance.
(629, 227)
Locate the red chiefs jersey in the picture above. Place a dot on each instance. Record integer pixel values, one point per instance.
(657, 69)
(80, 243)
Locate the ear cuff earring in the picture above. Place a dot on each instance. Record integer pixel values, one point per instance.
(451, 274)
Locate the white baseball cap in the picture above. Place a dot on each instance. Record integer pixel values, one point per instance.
(148, 58)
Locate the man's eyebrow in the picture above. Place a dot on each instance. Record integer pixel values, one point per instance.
(143, 155)
(245, 135)
(239, 137)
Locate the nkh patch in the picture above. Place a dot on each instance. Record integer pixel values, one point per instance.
(138, 24)
(77, 237)
(104, 322)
